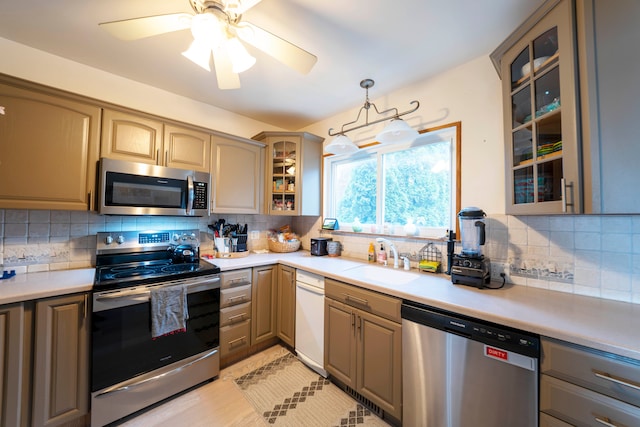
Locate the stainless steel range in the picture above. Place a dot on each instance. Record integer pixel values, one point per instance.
(138, 358)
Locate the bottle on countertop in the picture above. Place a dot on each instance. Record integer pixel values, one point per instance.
(372, 252)
(382, 255)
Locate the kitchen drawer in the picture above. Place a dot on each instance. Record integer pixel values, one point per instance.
(235, 314)
(549, 421)
(234, 337)
(234, 278)
(605, 373)
(236, 295)
(373, 302)
(579, 406)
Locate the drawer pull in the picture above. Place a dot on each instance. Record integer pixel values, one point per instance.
(237, 297)
(238, 341)
(237, 316)
(606, 421)
(356, 299)
(608, 377)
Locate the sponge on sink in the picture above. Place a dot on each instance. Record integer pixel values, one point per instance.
(429, 266)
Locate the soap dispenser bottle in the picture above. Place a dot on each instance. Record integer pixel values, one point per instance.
(382, 255)
(372, 252)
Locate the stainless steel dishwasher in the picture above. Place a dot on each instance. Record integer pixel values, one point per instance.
(459, 371)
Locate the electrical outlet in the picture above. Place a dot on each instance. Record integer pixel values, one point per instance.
(255, 235)
(498, 268)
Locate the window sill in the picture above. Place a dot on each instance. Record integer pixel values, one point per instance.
(386, 236)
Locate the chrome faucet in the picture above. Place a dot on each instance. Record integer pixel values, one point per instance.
(393, 248)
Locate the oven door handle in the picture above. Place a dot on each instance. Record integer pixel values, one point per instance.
(142, 295)
(128, 385)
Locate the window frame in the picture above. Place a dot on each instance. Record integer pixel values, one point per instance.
(377, 150)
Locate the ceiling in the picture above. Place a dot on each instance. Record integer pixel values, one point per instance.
(396, 43)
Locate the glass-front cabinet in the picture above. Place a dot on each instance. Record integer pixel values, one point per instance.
(540, 86)
(283, 176)
(294, 161)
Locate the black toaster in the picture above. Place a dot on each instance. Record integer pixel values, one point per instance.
(319, 245)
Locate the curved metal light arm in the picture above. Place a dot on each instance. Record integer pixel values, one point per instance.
(366, 107)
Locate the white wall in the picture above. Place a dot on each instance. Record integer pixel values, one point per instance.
(37, 66)
(471, 94)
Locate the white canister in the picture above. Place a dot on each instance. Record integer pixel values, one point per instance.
(334, 248)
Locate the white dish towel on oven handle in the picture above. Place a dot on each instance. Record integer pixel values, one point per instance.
(169, 312)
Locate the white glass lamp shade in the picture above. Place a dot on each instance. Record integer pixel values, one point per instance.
(199, 53)
(397, 131)
(341, 144)
(206, 28)
(241, 60)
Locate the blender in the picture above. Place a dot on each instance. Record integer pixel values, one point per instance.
(471, 267)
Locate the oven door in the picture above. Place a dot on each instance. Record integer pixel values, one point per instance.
(121, 331)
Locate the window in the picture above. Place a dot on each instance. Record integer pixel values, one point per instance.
(403, 189)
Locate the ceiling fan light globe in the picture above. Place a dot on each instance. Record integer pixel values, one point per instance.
(206, 28)
(199, 53)
(341, 144)
(241, 60)
(397, 131)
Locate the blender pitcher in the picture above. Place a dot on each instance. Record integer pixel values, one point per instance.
(472, 231)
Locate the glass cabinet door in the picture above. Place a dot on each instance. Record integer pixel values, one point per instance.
(536, 117)
(283, 176)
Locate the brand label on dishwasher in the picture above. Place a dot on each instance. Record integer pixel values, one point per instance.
(510, 357)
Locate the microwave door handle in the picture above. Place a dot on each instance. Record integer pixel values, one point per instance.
(190, 194)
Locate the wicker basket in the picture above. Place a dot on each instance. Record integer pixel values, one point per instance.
(284, 246)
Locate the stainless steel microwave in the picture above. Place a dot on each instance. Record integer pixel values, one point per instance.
(130, 188)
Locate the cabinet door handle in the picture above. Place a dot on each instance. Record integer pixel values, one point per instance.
(353, 323)
(360, 327)
(609, 377)
(607, 422)
(158, 156)
(563, 194)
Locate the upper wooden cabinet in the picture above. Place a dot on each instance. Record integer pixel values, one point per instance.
(540, 115)
(568, 76)
(608, 40)
(137, 138)
(237, 175)
(293, 172)
(49, 145)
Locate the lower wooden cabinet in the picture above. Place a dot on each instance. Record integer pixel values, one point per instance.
(264, 293)
(12, 363)
(582, 386)
(44, 369)
(61, 361)
(363, 350)
(286, 314)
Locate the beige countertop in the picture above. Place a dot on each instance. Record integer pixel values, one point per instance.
(24, 287)
(598, 323)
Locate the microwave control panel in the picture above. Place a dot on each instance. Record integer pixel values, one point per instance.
(200, 195)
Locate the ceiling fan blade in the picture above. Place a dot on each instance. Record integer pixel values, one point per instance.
(138, 28)
(227, 79)
(280, 49)
(241, 6)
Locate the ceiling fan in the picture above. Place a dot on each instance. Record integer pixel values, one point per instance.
(217, 29)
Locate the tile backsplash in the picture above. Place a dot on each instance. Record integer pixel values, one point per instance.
(590, 255)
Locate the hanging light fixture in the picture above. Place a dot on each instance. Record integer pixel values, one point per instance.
(396, 131)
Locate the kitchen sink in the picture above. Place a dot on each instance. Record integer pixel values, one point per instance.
(380, 274)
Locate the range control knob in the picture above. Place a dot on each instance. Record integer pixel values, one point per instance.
(120, 239)
(176, 237)
(108, 240)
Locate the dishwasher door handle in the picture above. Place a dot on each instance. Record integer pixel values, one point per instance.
(313, 289)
